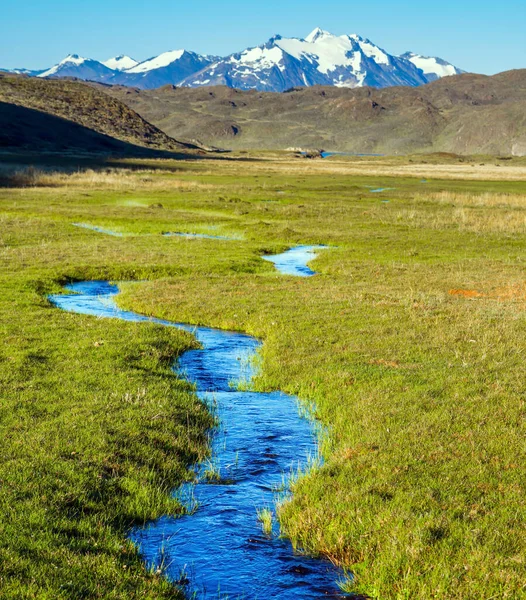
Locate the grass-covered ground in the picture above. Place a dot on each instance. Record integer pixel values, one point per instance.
(410, 343)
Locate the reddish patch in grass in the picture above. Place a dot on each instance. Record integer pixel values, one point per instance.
(466, 293)
(505, 294)
(512, 292)
(385, 363)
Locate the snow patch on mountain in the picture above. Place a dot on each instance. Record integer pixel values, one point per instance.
(71, 60)
(30, 72)
(317, 34)
(120, 63)
(432, 65)
(157, 62)
(82, 68)
(262, 58)
(328, 52)
(370, 50)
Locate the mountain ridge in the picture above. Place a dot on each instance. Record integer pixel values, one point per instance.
(321, 58)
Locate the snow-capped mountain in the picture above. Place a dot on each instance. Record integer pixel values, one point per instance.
(167, 68)
(120, 63)
(321, 58)
(433, 67)
(77, 66)
(282, 63)
(28, 72)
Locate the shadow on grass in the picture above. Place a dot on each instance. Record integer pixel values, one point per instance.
(31, 139)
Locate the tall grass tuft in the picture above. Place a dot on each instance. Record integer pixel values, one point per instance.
(266, 518)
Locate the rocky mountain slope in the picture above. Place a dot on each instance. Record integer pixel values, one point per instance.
(281, 63)
(61, 114)
(465, 114)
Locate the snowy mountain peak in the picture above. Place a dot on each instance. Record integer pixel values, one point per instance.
(275, 38)
(318, 34)
(78, 66)
(120, 63)
(71, 61)
(321, 58)
(157, 62)
(74, 59)
(433, 68)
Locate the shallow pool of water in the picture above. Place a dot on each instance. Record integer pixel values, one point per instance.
(99, 229)
(220, 550)
(295, 261)
(206, 236)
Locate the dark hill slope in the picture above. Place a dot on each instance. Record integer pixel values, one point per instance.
(31, 130)
(463, 114)
(83, 109)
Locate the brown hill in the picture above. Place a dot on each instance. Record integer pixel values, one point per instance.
(26, 129)
(465, 114)
(60, 115)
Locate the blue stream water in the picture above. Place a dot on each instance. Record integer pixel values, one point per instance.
(220, 550)
(295, 261)
(206, 236)
(98, 229)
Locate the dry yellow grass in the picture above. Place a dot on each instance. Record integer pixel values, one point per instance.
(285, 164)
(460, 171)
(480, 200)
(387, 167)
(464, 219)
(467, 211)
(107, 179)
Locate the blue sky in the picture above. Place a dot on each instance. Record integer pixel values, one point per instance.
(479, 36)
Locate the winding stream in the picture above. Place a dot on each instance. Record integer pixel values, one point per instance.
(219, 550)
(295, 261)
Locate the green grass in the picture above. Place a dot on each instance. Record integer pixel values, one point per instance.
(266, 518)
(410, 345)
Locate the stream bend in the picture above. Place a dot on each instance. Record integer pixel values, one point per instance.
(220, 551)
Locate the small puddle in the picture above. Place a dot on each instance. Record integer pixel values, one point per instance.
(295, 260)
(98, 229)
(220, 550)
(168, 234)
(206, 236)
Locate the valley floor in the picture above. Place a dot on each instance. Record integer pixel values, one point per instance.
(409, 345)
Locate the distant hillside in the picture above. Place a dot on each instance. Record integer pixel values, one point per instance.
(465, 114)
(59, 115)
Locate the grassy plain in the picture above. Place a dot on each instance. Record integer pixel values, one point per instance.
(409, 344)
